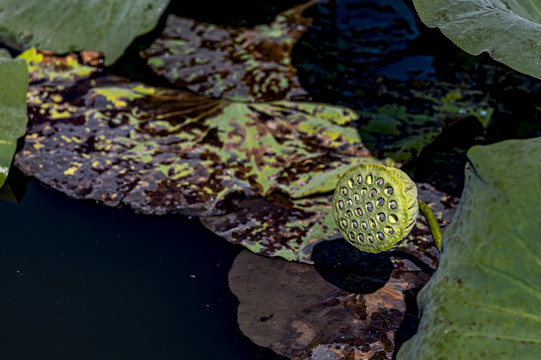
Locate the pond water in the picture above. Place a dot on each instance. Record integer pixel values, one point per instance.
(81, 281)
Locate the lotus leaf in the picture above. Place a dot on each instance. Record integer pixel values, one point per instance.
(483, 301)
(241, 64)
(108, 26)
(13, 116)
(508, 30)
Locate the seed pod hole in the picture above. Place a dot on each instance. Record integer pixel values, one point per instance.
(379, 181)
(372, 224)
(361, 237)
(381, 202)
(348, 213)
(351, 183)
(344, 223)
(381, 217)
(341, 204)
(381, 236)
(363, 192)
(369, 179)
(359, 212)
(364, 225)
(350, 202)
(355, 224)
(369, 206)
(356, 197)
(351, 236)
(359, 179)
(373, 192)
(393, 218)
(389, 189)
(344, 191)
(389, 230)
(371, 238)
(393, 204)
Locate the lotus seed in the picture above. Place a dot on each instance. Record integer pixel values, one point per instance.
(344, 223)
(361, 237)
(372, 224)
(348, 213)
(381, 201)
(359, 179)
(363, 192)
(393, 204)
(355, 224)
(379, 181)
(381, 236)
(373, 192)
(390, 190)
(359, 212)
(389, 229)
(370, 238)
(356, 197)
(364, 225)
(381, 216)
(352, 236)
(369, 206)
(344, 191)
(350, 202)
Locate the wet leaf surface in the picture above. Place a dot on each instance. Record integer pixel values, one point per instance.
(483, 302)
(250, 64)
(168, 151)
(108, 26)
(350, 305)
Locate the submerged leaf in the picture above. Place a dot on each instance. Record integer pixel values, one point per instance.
(484, 299)
(240, 64)
(508, 30)
(108, 26)
(13, 117)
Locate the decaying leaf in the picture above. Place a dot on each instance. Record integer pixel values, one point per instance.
(221, 62)
(168, 151)
(350, 305)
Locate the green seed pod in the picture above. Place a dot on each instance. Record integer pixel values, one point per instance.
(375, 206)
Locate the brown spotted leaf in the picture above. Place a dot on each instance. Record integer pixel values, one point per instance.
(168, 151)
(350, 305)
(242, 64)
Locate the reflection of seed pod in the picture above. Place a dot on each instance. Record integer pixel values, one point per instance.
(388, 198)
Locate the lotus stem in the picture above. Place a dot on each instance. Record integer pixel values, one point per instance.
(432, 223)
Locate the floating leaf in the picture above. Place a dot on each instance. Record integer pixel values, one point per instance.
(108, 26)
(13, 117)
(350, 305)
(241, 64)
(168, 151)
(508, 30)
(483, 301)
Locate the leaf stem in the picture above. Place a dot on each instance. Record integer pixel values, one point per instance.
(432, 223)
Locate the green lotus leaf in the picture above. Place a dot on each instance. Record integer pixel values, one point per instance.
(483, 301)
(13, 116)
(508, 30)
(108, 26)
(248, 64)
(375, 206)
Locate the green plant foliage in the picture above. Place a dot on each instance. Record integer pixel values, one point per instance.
(108, 26)
(508, 30)
(236, 63)
(483, 302)
(14, 75)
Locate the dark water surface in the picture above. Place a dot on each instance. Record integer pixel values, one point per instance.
(80, 281)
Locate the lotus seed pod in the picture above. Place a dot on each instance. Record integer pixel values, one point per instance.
(382, 200)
